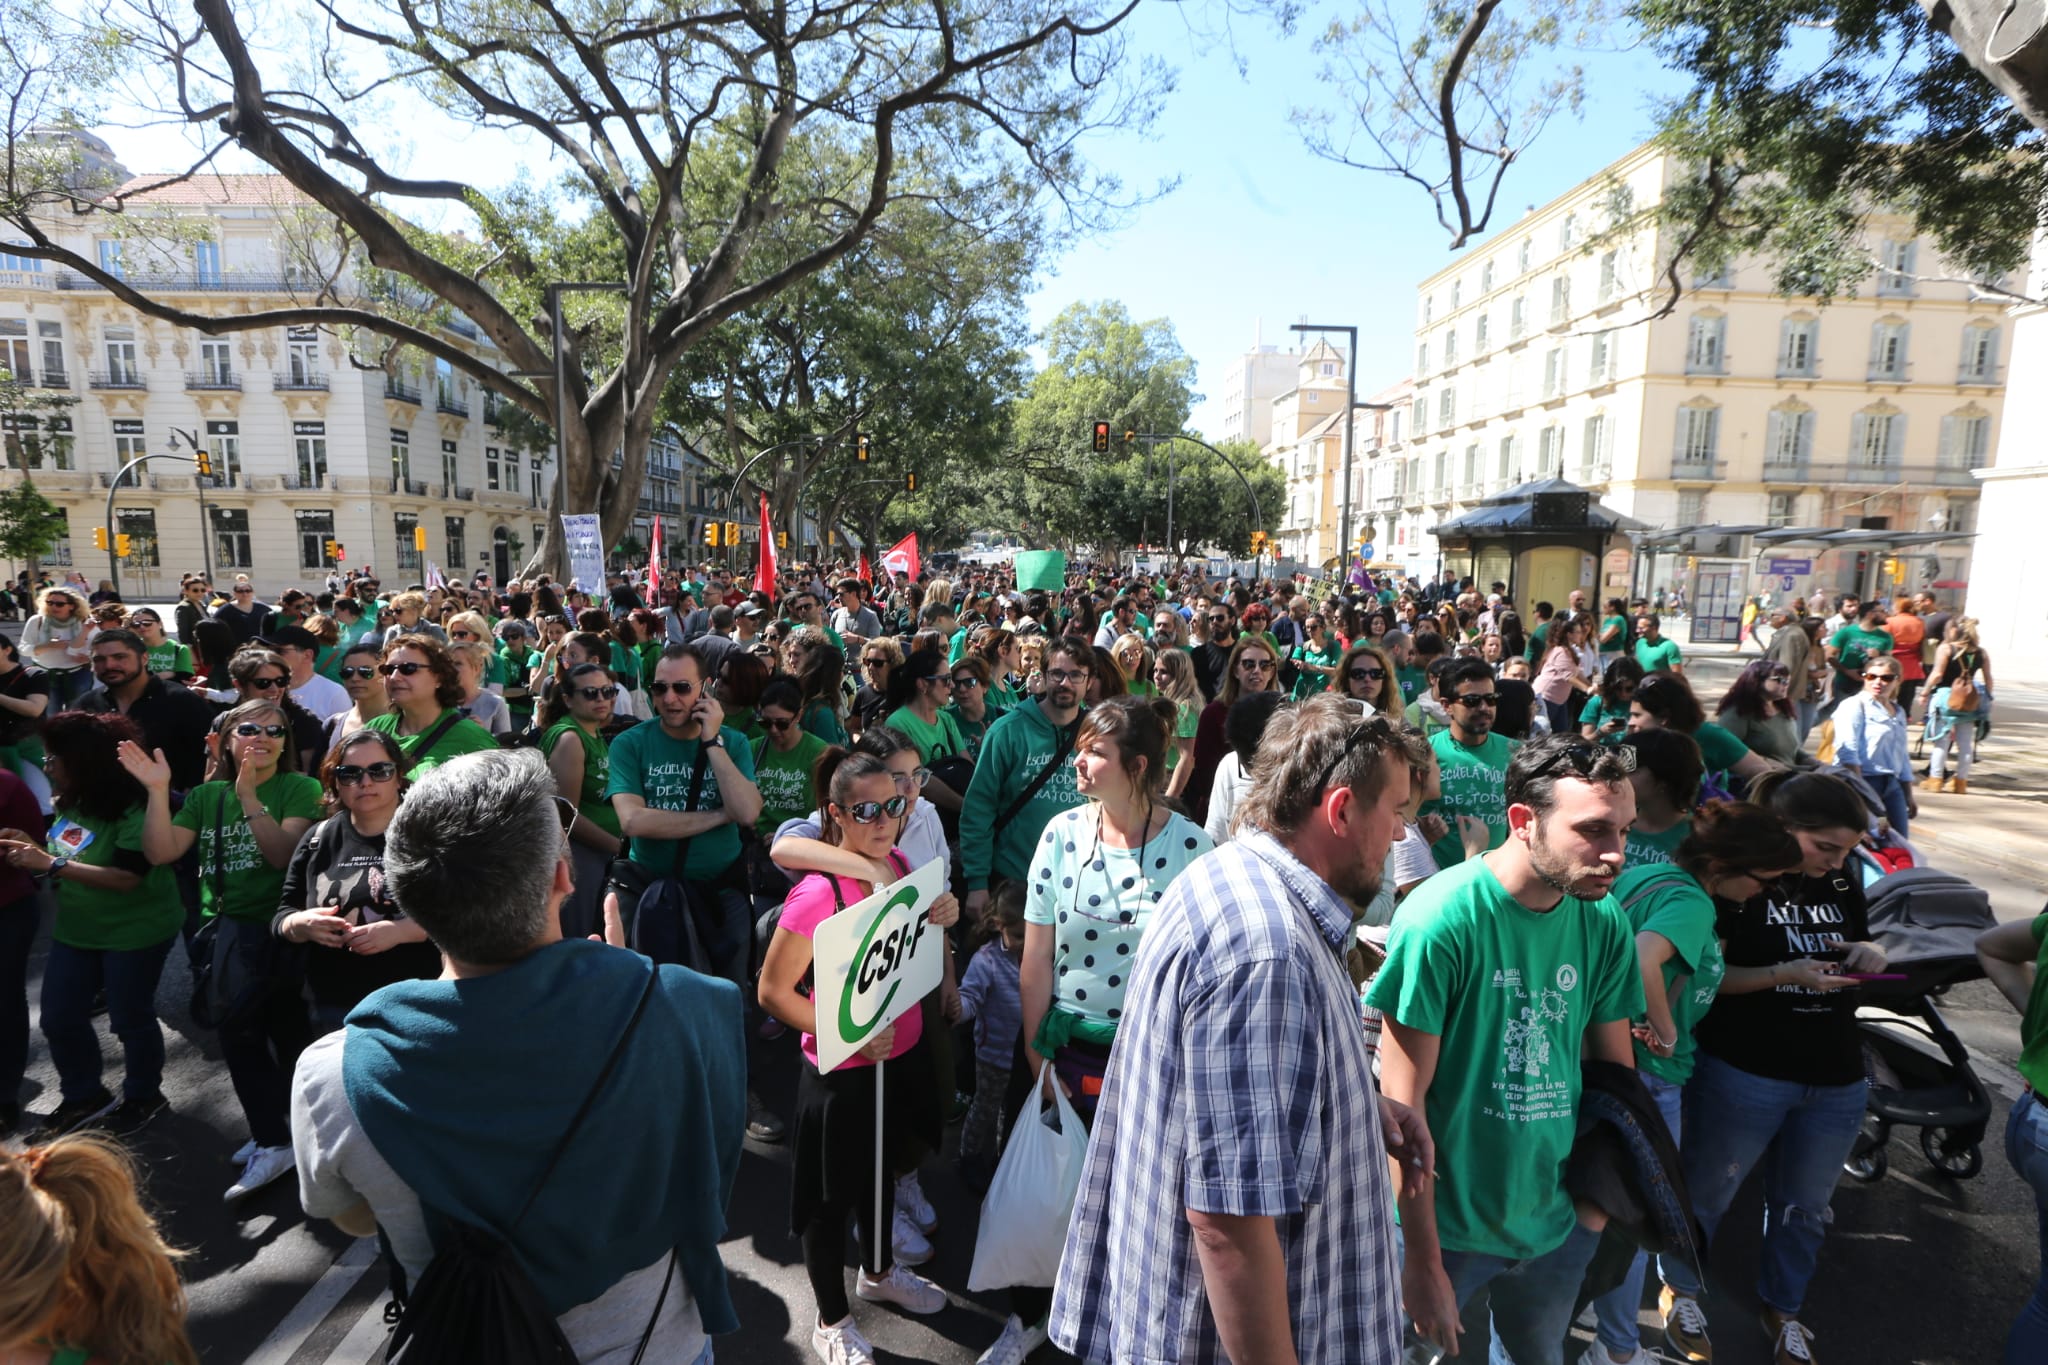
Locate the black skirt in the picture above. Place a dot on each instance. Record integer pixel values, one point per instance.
(834, 1149)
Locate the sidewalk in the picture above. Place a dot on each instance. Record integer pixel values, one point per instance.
(2006, 835)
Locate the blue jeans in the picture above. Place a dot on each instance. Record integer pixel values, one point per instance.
(1618, 1307)
(70, 979)
(1733, 1120)
(2026, 1147)
(1531, 1300)
(1891, 790)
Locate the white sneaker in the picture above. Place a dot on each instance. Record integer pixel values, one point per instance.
(910, 1198)
(842, 1344)
(265, 1165)
(244, 1152)
(1597, 1354)
(1015, 1345)
(910, 1245)
(902, 1286)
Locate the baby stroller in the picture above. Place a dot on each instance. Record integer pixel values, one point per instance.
(1927, 922)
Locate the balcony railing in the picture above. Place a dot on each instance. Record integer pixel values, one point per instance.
(216, 380)
(450, 404)
(1940, 473)
(116, 379)
(403, 392)
(305, 479)
(1990, 374)
(1695, 468)
(56, 379)
(410, 487)
(184, 282)
(463, 494)
(303, 382)
(1786, 471)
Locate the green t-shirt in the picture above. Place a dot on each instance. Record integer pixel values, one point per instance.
(251, 884)
(820, 720)
(1641, 848)
(787, 791)
(1613, 634)
(2033, 1063)
(465, 736)
(1308, 683)
(1510, 993)
(99, 920)
(1719, 748)
(1659, 656)
(1598, 711)
(626, 666)
(1414, 681)
(649, 763)
(1668, 902)
(941, 739)
(1186, 724)
(973, 731)
(1532, 648)
(1475, 782)
(169, 657)
(597, 772)
(1856, 647)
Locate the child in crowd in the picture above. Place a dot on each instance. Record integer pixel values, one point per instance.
(989, 996)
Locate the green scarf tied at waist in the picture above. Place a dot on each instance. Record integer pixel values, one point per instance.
(1061, 1027)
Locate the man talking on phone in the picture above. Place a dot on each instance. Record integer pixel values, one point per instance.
(684, 780)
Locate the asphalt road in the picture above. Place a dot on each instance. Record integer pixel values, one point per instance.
(1919, 1267)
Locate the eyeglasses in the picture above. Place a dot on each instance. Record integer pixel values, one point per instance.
(408, 669)
(358, 671)
(915, 778)
(1367, 674)
(770, 723)
(945, 678)
(867, 812)
(1583, 758)
(662, 689)
(249, 729)
(605, 693)
(565, 812)
(970, 681)
(1061, 676)
(352, 774)
(1261, 665)
(266, 684)
(1476, 699)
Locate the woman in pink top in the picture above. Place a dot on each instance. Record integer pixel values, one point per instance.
(1564, 671)
(833, 1167)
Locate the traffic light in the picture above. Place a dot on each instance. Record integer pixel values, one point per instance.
(910, 483)
(122, 544)
(1894, 570)
(711, 534)
(419, 539)
(1258, 543)
(1101, 441)
(333, 548)
(202, 460)
(782, 540)
(732, 533)
(99, 537)
(861, 452)
(1130, 438)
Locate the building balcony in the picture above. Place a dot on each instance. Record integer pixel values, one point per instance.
(450, 404)
(48, 479)
(1936, 473)
(1811, 371)
(306, 480)
(1991, 376)
(116, 379)
(1785, 471)
(403, 392)
(302, 382)
(1690, 469)
(213, 381)
(56, 379)
(183, 282)
(463, 494)
(1598, 472)
(412, 488)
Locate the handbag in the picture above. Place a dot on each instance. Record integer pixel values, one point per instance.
(231, 976)
(1963, 696)
(671, 919)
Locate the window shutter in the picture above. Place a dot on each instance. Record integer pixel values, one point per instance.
(1774, 438)
(1948, 448)
(1806, 421)
(1895, 440)
(1904, 351)
(1876, 347)
(1859, 433)
(1787, 357)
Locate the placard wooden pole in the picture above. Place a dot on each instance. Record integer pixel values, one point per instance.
(882, 1231)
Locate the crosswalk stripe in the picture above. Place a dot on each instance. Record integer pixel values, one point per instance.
(365, 1342)
(308, 1313)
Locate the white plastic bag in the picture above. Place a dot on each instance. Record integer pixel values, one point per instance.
(1024, 1217)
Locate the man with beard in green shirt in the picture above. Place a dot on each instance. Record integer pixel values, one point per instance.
(1472, 758)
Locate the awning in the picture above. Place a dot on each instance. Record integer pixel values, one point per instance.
(1854, 538)
(1678, 540)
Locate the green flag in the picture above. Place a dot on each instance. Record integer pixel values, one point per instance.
(1041, 570)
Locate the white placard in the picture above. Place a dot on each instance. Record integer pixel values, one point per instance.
(872, 962)
(584, 541)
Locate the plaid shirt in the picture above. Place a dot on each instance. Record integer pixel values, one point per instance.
(1239, 1084)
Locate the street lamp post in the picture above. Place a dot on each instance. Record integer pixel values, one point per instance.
(191, 438)
(113, 539)
(1350, 417)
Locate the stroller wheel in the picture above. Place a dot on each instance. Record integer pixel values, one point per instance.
(1950, 1155)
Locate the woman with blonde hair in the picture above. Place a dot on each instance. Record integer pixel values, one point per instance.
(84, 1274)
(1254, 666)
(1173, 678)
(1961, 671)
(1134, 657)
(57, 639)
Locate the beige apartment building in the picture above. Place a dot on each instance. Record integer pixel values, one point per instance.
(310, 451)
(1536, 355)
(1307, 447)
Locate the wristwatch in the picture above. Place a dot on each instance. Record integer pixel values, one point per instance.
(715, 742)
(58, 864)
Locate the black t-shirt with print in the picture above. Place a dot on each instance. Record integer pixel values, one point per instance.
(1790, 1033)
(334, 865)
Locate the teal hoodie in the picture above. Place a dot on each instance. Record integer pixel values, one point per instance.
(1020, 743)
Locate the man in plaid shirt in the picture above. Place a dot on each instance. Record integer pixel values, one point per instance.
(1232, 1206)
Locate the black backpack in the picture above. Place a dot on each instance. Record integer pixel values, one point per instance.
(475, 1300)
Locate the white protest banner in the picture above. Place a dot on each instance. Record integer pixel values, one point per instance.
(585, 544)
(873, 962)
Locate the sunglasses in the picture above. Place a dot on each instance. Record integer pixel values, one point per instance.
(970, 681)
(605, 693)
(266, 684)
(408, 669)
(359, 671)
(937, 678)
(352, 774)
(1477, 699)
(462, 635)
(240, 591)
(1583, 758)
(876, 662)
(867, 812)
(770, 723)
(1376, 728)
(249, 729)
(1262, 665)
(565, 812)
(662, 689)
(1367, 674)
(1879, 677)
(1781, 675)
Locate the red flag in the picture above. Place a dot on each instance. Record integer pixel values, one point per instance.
(654, 566)
(867, 575)
(902, 556)
(764, 571)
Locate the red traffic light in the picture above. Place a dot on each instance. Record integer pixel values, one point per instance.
(1101, 437)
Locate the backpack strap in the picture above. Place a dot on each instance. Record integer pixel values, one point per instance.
(582, 1111)
(433, 736)
(1037, 784)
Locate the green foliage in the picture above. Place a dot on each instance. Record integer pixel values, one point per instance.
(1210, 505)
(30, 524)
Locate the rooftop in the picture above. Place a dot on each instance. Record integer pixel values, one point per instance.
(211, 189)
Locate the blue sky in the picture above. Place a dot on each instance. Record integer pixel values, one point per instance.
(1259, 232)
